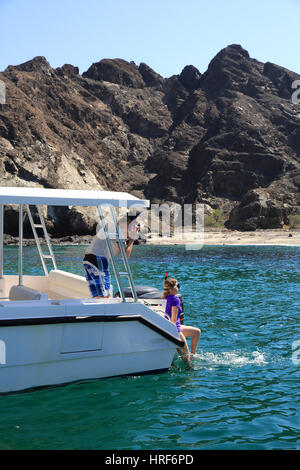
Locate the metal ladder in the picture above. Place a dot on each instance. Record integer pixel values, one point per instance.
(42, 226)
(117, 235)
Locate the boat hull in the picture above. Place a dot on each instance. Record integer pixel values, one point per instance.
(53, 350)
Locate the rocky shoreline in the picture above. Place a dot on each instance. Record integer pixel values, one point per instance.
(9, 240)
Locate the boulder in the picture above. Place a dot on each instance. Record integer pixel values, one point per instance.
(257, 211)
(190, 77)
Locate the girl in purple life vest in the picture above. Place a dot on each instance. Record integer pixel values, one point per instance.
(173, 310)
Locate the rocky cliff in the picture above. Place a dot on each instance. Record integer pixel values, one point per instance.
(228, 138)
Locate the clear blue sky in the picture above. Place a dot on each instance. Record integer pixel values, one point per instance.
(165, 34)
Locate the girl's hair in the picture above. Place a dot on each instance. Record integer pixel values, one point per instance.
(169, 285)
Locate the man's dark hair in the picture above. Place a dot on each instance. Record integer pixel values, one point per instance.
(129, 218)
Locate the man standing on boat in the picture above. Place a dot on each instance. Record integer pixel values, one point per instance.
(96, 257)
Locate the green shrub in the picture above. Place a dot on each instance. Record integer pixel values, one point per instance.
(294, 221)
(215, 219)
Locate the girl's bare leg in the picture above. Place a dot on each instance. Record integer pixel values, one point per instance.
(184, 352)
(194, 333)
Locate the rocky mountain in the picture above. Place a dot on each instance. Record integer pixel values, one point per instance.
(228, 138)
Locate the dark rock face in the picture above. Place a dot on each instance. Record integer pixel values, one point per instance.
(150, 77)
(190, 77)
(116, 71)
(38, 64)
(67, 70)
(257, 211)
(229, 137)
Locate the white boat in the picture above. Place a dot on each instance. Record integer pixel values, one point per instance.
(52, 331)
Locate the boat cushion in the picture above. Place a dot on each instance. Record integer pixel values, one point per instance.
(26, 293)
(62, 280)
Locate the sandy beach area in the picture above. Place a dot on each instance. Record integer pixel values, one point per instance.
(280, 237)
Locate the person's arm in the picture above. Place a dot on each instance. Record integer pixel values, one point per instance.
(117, 249)
(174, 313)
(128, 248)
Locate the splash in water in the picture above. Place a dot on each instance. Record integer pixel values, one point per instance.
(232, 358)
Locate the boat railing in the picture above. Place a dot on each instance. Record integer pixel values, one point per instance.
(41, 225)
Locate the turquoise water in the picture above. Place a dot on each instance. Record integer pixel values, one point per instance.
(243, 392)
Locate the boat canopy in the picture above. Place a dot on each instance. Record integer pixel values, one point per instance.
(68, 197)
